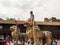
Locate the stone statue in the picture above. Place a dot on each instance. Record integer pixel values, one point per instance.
(16, 34)
(35, 34)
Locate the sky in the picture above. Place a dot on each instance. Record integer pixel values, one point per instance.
(20, 9)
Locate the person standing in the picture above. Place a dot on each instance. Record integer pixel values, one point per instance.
(58, 42)
(54, 42)
(32, 15)
(7, 40)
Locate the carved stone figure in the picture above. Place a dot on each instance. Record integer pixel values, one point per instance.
(35, 34)
(16, 34)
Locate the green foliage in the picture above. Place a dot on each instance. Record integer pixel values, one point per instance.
(10, 18)
(46, 19)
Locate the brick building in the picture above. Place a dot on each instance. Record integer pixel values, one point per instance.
(54, 27)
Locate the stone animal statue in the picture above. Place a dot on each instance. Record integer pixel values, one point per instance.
(14, 34)
(17, 35)
(35, 34)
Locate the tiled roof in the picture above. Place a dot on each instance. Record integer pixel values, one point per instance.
(49, 23)
(10, 22)
(38, 22)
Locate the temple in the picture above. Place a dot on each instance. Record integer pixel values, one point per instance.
(52, 25)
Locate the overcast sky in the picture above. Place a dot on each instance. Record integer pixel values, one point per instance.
(19, 9)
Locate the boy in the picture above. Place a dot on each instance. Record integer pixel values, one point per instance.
(32, 15)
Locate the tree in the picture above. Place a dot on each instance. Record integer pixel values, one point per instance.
(46, 19)
(10, 18)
